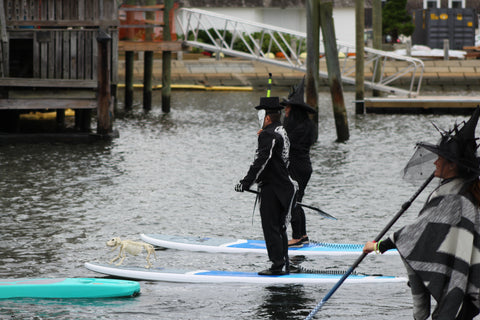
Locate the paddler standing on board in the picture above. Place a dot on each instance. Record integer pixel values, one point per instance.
(441, 249)
(277, 189)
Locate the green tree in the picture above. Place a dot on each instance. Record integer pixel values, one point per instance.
(396, 20)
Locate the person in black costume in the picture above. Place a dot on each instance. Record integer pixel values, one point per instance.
(301, 133)
(277, 189)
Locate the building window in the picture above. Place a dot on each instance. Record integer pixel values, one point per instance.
(428, 4)
(456, 3)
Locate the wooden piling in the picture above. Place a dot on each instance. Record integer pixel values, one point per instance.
(377, 39)
(129, 65)
(148, 62)
(129, 61)
(359, 56)
(60, 120)
(312, 63)
(333, 68)
(166, 59)
(147, 80)
(104, 109)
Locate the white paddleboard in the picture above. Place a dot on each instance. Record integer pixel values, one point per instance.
(211, 276)
(226, 245)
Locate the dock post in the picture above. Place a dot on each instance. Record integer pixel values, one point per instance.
(129, 65)
(105, 106)
(60, 120)
(312, 63)
(129, 61)
(148, 62)
(147, 80)
(167, 59)
(377, 40)
(359, 56)
(446, 49)
(333, 68)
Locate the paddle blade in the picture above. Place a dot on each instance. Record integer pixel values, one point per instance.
(320, 212)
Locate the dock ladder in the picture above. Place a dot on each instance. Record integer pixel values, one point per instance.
(255, 41)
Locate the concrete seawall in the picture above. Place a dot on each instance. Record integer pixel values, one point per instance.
(439, 75)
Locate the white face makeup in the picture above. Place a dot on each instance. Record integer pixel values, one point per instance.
(261, 117)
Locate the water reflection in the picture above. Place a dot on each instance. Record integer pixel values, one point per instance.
(284, 302)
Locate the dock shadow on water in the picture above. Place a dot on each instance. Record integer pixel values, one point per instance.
(175, 174)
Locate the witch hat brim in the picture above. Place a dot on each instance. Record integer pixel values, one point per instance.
(459, 145)
(297, 104)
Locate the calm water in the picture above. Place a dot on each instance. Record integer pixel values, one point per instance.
(175, 174)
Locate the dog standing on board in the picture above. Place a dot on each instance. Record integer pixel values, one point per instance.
(131, 247)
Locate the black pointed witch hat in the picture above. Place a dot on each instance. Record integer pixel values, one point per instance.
(296, 98)
(459, 145)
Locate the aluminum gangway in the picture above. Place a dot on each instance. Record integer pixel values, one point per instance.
(245, 39)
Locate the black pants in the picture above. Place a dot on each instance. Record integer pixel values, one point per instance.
(300, 172)
(273, 216)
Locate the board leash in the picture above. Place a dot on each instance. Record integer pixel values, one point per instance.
(300, 269)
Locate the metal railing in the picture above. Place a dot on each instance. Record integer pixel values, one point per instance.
(245, 39)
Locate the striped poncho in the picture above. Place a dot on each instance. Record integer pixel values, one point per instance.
(443, 248)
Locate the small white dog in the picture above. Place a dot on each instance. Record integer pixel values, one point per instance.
(132, 247)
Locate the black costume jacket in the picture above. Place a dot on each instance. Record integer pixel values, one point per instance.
(302, 137)
(270, 166)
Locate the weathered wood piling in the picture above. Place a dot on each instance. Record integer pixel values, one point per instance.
(359, 56)
(167, 59)
(313, 44)
(105, 106)
(333, 68)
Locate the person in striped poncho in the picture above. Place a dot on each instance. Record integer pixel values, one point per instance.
(441, 248)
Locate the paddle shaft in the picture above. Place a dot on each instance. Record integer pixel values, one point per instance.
(323, 213)
(404, 208)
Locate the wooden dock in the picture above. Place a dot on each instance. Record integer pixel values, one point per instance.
(422, 104)
(56, 56)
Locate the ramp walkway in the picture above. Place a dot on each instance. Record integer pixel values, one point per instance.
(255, 41)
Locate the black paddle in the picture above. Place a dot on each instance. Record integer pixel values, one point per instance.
(320, 212)
(404, 208)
